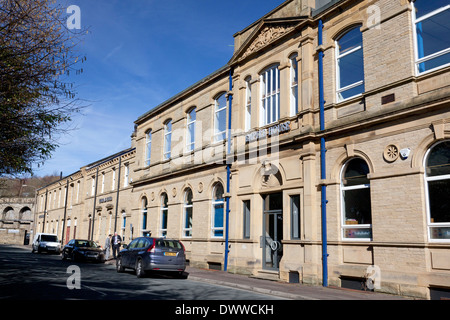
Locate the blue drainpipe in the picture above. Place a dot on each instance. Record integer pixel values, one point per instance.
(227, 214)
(323, 150)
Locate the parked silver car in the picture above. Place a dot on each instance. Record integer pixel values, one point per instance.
(46, 242)
(152, 254)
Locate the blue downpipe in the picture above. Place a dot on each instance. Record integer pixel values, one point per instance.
(227, 212)
(323, 164)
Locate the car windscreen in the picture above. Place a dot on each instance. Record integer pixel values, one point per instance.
(49, 238)
(168, 244)
(85, 244)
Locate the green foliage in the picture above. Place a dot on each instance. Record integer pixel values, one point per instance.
(36, 99)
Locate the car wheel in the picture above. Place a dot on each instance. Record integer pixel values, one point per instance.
(63, 256)
(119, 266)
(139, 269)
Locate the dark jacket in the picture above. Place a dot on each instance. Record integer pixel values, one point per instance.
(113, 239)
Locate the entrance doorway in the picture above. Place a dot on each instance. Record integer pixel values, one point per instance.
(272, 230)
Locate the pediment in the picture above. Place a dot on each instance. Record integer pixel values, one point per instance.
(266, 33)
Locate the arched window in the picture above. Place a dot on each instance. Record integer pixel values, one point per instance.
(431, 20)
(124, 222)
(144, 213)
(8, 214)
(148, 147)
(349, 65)
(188, 213)
(294, 84)
(355, 201)
(167, 139)
(190, 132)
(217, 211)
(164, 214)
(248, 104)
(270, 95)
(437, 178)
(220, 117)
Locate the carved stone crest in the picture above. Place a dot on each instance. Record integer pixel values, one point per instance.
(267, 35)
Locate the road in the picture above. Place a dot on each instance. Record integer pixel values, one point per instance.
(32, 276)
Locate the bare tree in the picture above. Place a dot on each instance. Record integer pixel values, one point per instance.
(37, 101)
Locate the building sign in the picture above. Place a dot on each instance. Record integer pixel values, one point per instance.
(268, 132)
(107, 199)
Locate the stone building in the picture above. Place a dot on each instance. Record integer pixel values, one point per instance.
(86, 203)
(16, 220)
(319, 154)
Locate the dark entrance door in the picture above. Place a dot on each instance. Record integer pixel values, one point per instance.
(272, 230)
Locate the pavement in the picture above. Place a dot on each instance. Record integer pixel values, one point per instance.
(291, 291)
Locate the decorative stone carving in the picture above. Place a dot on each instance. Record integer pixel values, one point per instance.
(267, 35)
(391, 153)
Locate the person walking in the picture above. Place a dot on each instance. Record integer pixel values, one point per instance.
(107, 246)
(115, 242)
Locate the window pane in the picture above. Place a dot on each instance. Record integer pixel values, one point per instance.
(221, 120)
(434, 63)
(356, 173)
(247, 219)
(295, 217)
(431, 34)
(192, 115)
(188, 197)
(351, 40)
(424, 7)
(191, 136)
(164, 200)
(167, 146)
(164, 219)
(351, 68)
(221, 102)
(188, 221)
(351, 92)
(438, 162)
(218, 215)
(357, 206)
(357, 233)
(218, 192)
(439, 192)
(440, 232)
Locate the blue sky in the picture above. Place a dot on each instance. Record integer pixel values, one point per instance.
(139, 54)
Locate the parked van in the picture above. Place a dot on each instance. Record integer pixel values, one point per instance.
(46, 242)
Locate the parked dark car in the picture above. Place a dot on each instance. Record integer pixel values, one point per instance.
(152, 254)
(79, 249)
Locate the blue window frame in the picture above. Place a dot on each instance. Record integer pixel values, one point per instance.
(218, 211)
(144, 213)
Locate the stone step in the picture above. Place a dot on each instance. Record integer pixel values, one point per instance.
(271, 275)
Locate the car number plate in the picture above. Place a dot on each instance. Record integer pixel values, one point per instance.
(172, 254)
